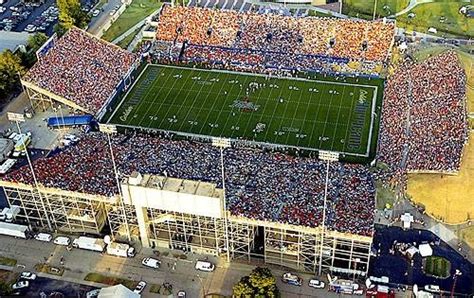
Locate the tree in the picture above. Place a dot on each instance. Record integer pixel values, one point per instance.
(10, 69)
(243, 288)
(70, 14)
(260, 283)
(34, 43)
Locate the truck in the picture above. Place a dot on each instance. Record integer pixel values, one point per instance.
(121, 250)
(14, 230)
(89, 243)
(11, 214)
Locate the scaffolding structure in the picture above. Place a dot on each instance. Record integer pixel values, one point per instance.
(290, 246)
(42, 99)
(69, 212)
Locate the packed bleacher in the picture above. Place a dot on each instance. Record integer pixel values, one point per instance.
(82, 69)
(424, 124)
(260, 185)
(217, 36)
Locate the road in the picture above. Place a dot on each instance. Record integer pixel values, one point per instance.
(96, 24)
(80, 262)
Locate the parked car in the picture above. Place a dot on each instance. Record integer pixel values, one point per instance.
(432, 288)
(205, 266)
(28, 275)
(292, 279)
(95, 13)
(317, 284)
(151, 262)
(181, 294)
(140, 287)
(21, 285)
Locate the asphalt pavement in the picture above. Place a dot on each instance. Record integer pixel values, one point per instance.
(78, 263)
(96, 24)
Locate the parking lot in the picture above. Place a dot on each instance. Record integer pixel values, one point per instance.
(47, 286)
(19, 16)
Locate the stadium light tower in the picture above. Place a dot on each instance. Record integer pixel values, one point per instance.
(109, 129)
(327, 156)
(17, 118)
(223, 143)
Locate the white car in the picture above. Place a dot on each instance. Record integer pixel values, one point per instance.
(21, 285)
(28, 275)
(317, 284)
(140, 287)
(181, 294)
(292, 279)
(152, 263)
(2, 9)
(432, 288)
(95, 13)
(205, 266)
(62, 240)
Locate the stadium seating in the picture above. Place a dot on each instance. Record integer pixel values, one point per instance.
(260, 185)
(82, 69)
(269, 33)
(424, 126)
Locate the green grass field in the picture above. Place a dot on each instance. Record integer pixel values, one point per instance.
(300, 113)
(437, 266)
(365, 8)
(133, 14)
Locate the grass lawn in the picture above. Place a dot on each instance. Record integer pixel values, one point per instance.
(301, 113)
(365, 8)
(384, 196)
(127, 40)
(443, 15)
(49, 269)
(437, 266)
(467, 235)
(7, 261)
(137, 11)
(110, 280)
(315, 13)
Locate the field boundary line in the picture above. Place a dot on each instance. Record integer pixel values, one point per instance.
(236, 141)
(126, 94)
(262, 75)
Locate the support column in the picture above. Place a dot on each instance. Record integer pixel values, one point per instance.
(142, 219)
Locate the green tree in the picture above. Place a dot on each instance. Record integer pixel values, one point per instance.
(34, 43)
(10, 69)
(260, 283)
(70, 14)
(243, 288)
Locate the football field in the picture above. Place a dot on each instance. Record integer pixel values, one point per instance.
(328, 114)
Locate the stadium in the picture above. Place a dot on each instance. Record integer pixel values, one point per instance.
(242, 135)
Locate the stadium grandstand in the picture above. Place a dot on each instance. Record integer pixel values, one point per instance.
(424, 126)
(266, 193)
(289, 207)
(81, 71)
(267, 41)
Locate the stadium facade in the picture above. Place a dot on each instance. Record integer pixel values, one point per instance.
(160, 211)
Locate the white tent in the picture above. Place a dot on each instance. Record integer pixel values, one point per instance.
(425, 250)
(412, 251)
(407, 219)
(118, 291)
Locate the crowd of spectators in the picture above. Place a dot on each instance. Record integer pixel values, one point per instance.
(331, 37)
(82, 69)
(260, 185)
(424, 124)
